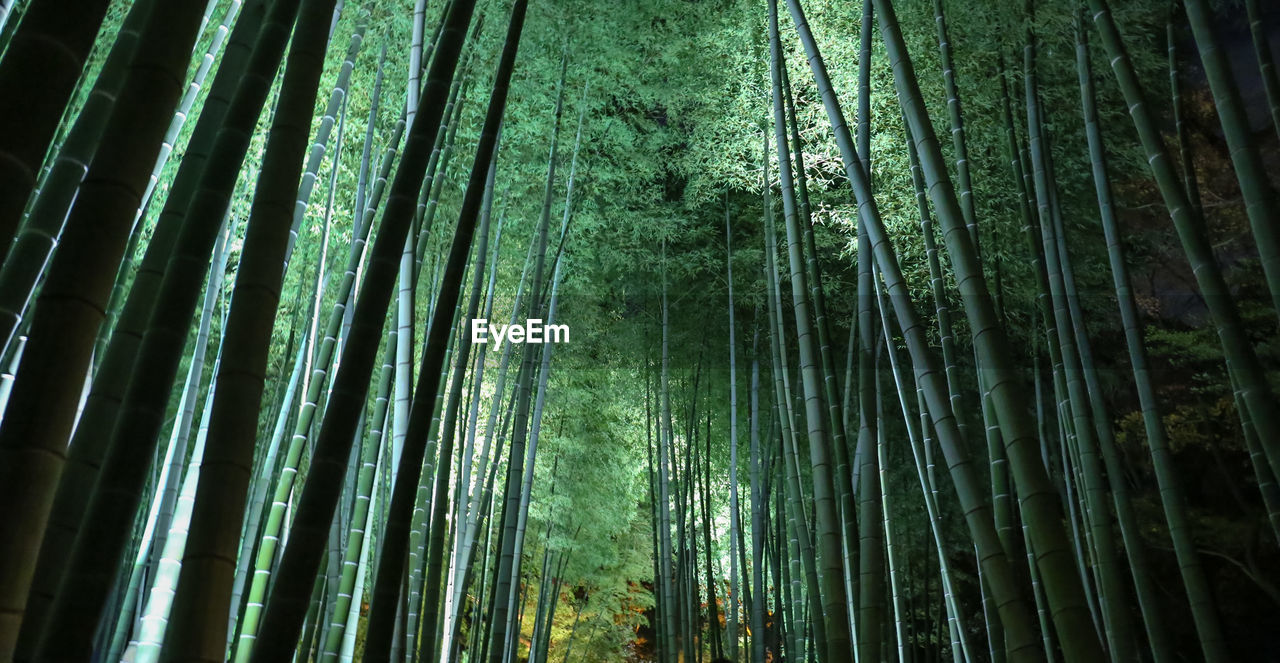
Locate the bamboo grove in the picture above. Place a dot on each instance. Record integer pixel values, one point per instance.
(837, 388)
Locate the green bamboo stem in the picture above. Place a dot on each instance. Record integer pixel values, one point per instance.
(831, 390)
(42, 66)
(89, 440)
(266, 467)
(1267, 487)
(8, 10)
(71, 304)
(758, 497)
(359, 538)
(508, 563)
(735, 532)
(791, 598)
(155, 615)
(429, 638)
(29, 255)
(1257, 191)
(346, 650)
(1019, 160)
(1034, 490)
(319, 144)
(833, 600)
(1024, 645)
(323, 358)
(960, 648)
(803, 567)
(479, 190)
(941, 305)
(415, 566)
(1239, 353)
(896, 579)
(1037, 589)
(964, 188)
(1186, 153)
(10, 371)
(1266, 66)
(170, 482)
(189, 98)
(1116, 624)
(227, 469)
(472, 472)
(438, 168)
(928, 485)
(492, 428)
(1193, 577)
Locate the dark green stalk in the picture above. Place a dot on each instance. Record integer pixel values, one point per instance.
(320, 492)
(45, 397)
(134, 435)
(38, 76)
(1237, 349)
(391, 559)
(942, 309)
(358, 539)
(508, 564)
(1036, 495)
(483, 186)
(956, 117)
(319, 145)
(758, 499)
(1135, 547)
(1185, 151)
(826, 517)
(1266, 66)
(1112, 590)
(831, 390)
(803, 565)
(227, 467)
(735, 530)
(1257, 191)
(1199, 595)
(31, 250)
(91, 437)
(1023, 643)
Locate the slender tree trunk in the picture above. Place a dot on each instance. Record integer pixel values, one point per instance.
(359, 538)
(171, 480)
(1010, 603)
(828, 541)
(29, 254)
(155, 616)
(1116, 623)
(441, 323)
(1035, 493)
(42, 65)
(141, 412)
(33, 439)
(804, 568)
(758, 506)
(479, 201)
(469, 510)
(1199, 595)
(1266, 67)
(89, 441)
(508, 562)
(321, 490)
(956, 117)
(735, 532)
(1238, 351)
(1257, 191)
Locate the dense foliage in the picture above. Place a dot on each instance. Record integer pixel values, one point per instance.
(659, 118)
